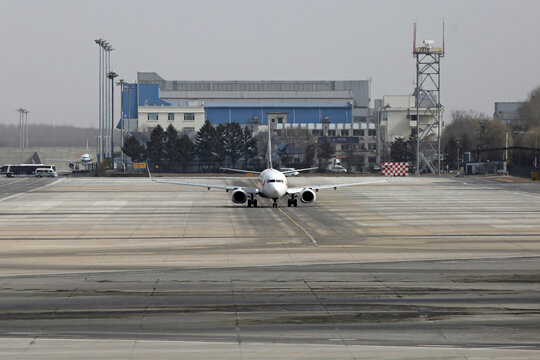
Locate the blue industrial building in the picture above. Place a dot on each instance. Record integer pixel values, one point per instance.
(293, 113)
(249, 112)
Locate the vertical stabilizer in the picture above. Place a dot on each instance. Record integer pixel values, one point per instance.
(87, 146)
(269, 154)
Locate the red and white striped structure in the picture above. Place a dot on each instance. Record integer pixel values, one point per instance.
(395, 168)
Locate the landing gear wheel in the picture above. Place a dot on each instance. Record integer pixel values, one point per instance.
(295, 202)
(249, 202)
(254, 203)
(289, 202)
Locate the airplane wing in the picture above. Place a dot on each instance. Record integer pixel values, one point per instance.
(298, 170)
(294, 190)
(241, 171)
(248, 190)
(62, 160)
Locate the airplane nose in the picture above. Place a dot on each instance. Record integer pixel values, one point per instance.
(274, 190)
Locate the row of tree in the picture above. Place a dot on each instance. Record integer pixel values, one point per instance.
(213, 147)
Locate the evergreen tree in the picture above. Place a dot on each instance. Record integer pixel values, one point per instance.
(398, 150)
(219, 150)
(233, 141)
(171, 150)
(249, 145)
(155, 148)
(411, 149)
(185, 151)
(204, 144)
(134, 149)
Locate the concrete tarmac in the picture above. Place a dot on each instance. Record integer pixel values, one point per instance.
(420, 268)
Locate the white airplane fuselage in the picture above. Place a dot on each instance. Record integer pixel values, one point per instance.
(273, 184)
(86, 158)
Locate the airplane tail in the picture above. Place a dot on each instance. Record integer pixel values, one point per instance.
(87, 146)
(269, 154)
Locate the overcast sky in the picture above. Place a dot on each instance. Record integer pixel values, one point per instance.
(49, 60)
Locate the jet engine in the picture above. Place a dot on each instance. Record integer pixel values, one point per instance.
(307, 196)
(239, 196)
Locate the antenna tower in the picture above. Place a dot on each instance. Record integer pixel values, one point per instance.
(428, 105)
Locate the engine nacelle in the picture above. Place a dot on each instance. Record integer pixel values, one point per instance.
(308, 196)
(239, 196)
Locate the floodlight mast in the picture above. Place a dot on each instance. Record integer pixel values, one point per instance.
(111, 75)
(23, 127)
(105, 116)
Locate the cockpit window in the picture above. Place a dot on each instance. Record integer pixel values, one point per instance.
(273, 180)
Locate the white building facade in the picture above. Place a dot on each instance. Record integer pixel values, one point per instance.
(188, 118)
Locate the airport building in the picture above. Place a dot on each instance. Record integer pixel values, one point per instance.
(396, 116)
(336, 110)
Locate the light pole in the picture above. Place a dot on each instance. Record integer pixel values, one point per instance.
(104, 115)
(121, 83)
(111, 75)
(23, 127)
(381, 141)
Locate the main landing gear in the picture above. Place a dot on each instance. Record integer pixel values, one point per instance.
(293, 201)
(252, 201)
(274, 204)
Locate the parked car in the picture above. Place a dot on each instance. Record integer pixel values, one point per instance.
(337, 169)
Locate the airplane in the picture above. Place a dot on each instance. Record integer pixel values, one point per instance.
(272, 185)
(85, 159)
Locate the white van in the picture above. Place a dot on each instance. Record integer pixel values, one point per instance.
(45, 172)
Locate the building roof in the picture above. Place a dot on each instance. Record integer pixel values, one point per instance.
(276, 105)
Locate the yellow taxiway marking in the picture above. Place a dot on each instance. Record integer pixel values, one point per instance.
(297, 224)
(301, 227)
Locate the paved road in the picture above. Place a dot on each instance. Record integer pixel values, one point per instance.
(125, 268)
(10, 186)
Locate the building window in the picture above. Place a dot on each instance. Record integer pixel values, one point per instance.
(358, 132)
(188, 130)
(152, 116)
(372, 159)
(344, 132)
(170, 116)
(331, 132)
(372, 146)
(189, 117)
(360, 119)
(372, 132)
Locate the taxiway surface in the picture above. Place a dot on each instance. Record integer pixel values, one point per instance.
(127, 268)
